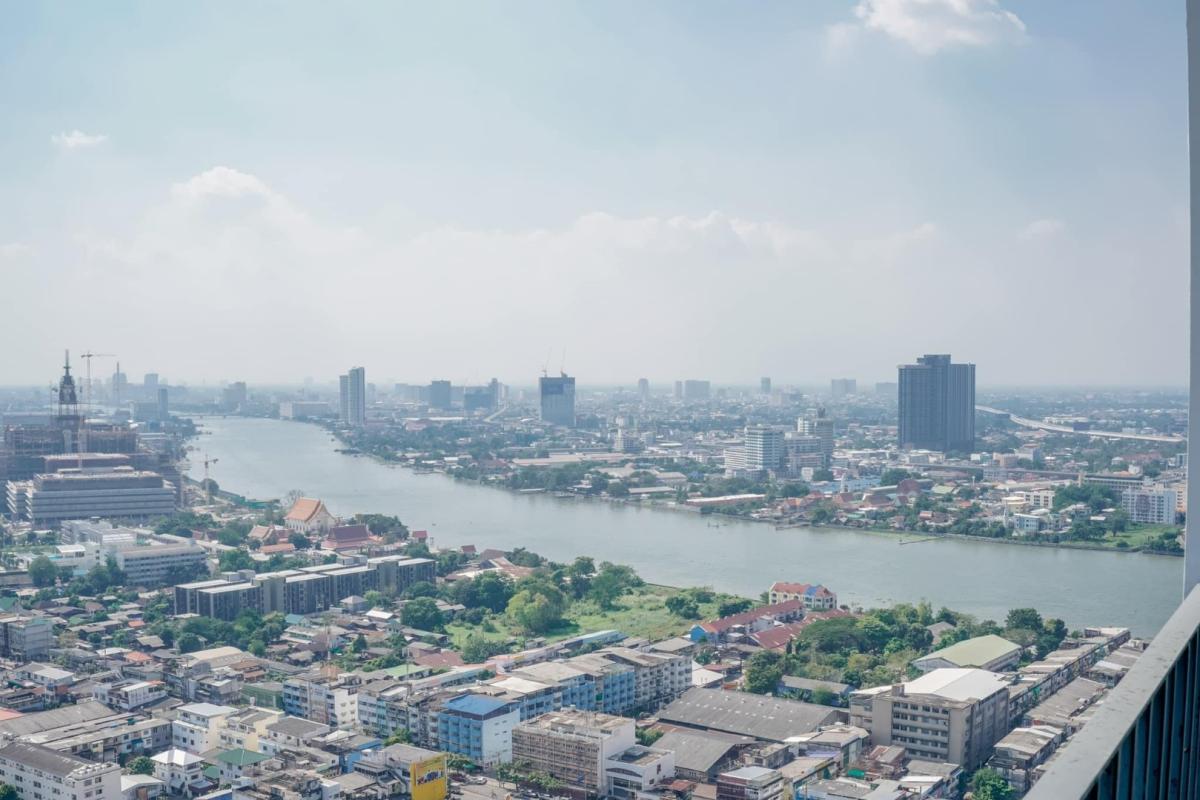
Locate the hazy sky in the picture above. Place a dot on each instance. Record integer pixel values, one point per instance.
(273, 190)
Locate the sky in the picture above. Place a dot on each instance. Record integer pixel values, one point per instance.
(271, 191)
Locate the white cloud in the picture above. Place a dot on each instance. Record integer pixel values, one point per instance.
(929, 26)
(221, 182)
(77, 140)
(1041, 229)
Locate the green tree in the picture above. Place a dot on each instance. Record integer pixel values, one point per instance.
(422, 613)
(893, 476)
(479, 649)
(235, 560)
(646, 737)
(538, 607)
(42, 572)
(1024, 618)
(681, 605)
(763, 672)
(142, 765)
(987, 784)
(7, 792)
(299, 541)
(611, 582)
(735, 606)
(360, 644)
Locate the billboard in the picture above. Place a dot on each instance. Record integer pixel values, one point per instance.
(429, 779)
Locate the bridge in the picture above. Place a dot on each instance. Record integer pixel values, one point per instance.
(1162, 438)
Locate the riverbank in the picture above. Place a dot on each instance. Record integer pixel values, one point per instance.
(1137, 540)
(265, 458)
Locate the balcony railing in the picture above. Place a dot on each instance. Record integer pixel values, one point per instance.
(1143, 742)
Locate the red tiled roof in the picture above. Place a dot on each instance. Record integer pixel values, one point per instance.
(778, 609)
(282, 547)
(777, 638)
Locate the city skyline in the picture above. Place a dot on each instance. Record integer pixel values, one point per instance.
(876, 178)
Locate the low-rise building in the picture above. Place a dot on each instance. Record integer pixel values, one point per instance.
(37, 773)
(990, 652)
(953, 715)
(750, 783)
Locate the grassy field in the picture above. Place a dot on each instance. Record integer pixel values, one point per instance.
(1138, 536)
(641, 613)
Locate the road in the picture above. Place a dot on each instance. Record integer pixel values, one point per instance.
(1046, 426)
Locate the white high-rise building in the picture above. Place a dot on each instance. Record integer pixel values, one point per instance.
(764, 447)
(357, 397)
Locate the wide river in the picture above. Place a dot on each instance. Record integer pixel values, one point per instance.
(263, 459)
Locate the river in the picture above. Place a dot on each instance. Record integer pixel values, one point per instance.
(263, 459)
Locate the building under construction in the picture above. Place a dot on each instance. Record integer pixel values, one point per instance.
(35, 444)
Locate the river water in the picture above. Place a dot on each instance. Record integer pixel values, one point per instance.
(263, 459)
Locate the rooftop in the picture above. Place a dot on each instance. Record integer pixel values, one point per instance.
(977, 652)
(767, 718)
(957, 684)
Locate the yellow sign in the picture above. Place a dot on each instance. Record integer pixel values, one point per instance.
(429, 779)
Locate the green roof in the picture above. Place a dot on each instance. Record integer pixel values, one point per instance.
(240, 757)
(977, 652)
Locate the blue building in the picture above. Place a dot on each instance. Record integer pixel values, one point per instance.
(478, 727)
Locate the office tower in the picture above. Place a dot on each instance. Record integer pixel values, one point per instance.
(233, 396)
(479, 398)
(820, 426)
(678, 390)
(344, 398)
(356, 397)
(937, 405)
(163, 411)
(764, 385)
(439, 395)
(697, 390)
(764, 447)
(497, 390)
(558, 400)
(643, 389)
(120, 383)
(841, 387)
(150, 383)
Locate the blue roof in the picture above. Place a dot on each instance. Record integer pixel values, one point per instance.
(475, 704)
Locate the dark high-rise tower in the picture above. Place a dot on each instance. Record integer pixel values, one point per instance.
(557, 400)
(937, 404)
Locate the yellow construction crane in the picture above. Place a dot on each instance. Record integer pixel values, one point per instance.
(207, 484)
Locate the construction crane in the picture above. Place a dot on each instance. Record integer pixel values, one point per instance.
(207, 483)
(87, 398)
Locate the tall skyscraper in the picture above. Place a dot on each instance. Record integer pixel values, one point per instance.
(344, 398)
(678, 390)
(840, 387)
(937, 404)
(764, 385)
(558, 400)
(643, 389)
(440, 395)
(357, 397)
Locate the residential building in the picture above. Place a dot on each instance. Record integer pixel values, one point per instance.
(39, 773)
(764, 448)
(573, 746)
(127, 695)
(478, 727)
(814, 596)
(326, 699)
(1151, 505)
(25, 638)
(557, 400)
(179, 770)
(197, 726)
(764, 385)
(989, 652)
(697, 391)
(937, 405)
(403, 770)
(953, 715)
(750, 783)
(440, 395)
(344, 399)
(356, 397)
(842, 387)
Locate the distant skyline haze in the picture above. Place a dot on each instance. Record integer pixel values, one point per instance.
(669, 190)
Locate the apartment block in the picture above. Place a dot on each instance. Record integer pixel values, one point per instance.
(39, 773)
(953, 715)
